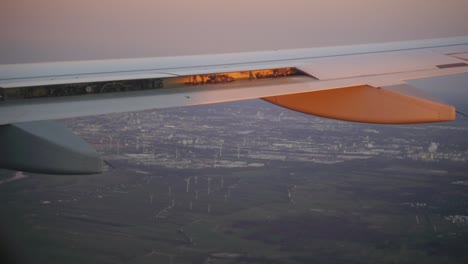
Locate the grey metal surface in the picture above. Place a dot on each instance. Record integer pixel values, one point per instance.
(463, 56)
(33, 74)
(46, 147)
(376, 63)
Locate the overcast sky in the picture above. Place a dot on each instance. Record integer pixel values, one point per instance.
(54, 30)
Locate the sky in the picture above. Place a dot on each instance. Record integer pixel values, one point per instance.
(60, 30)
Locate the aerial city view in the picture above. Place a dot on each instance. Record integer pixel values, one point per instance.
(225, 132)
(246, 182)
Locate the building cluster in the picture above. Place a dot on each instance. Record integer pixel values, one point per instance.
(241, 136)
(457, 219)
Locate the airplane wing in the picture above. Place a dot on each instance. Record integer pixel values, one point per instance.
(374, 83)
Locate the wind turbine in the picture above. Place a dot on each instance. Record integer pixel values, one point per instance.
(209, 185)
(290, 196)
(110, 142)
(280, 115)
(188, 184)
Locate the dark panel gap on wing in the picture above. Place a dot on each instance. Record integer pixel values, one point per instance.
(452, 65)
(93, 88)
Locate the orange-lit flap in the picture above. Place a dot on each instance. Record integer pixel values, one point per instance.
(366, 104)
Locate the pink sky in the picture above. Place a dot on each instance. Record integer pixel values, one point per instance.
(54, 30)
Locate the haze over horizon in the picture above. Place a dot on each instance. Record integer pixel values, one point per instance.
(54, 30)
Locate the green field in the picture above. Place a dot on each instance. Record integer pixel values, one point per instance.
(352, 212)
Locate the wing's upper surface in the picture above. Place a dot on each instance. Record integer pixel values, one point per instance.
(40, 91)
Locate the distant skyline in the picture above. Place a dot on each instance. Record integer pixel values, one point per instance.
(57, 30)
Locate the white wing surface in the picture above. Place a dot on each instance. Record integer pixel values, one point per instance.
(31, 92)
(389, 83)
